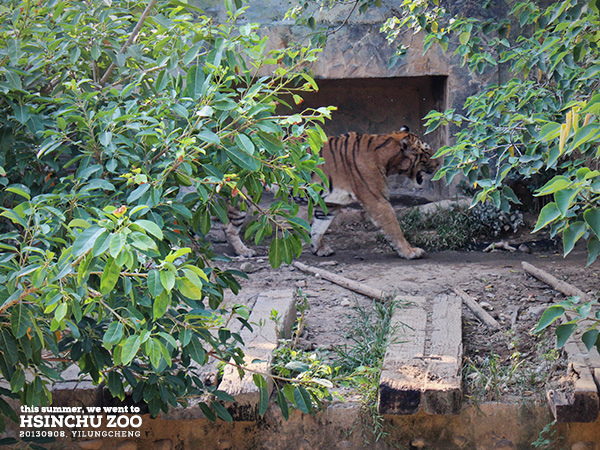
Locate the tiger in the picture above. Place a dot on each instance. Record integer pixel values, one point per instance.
(356, 167)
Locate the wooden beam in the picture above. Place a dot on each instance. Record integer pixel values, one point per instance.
(421, 368)
(578, 402)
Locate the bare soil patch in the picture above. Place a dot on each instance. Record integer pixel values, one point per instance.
(498, 364)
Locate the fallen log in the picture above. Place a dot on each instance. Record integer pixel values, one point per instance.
(340, 280)
(479, 312)
(553, 282)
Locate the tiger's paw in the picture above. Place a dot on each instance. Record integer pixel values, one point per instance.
(245, 252)
(412, 253)
(324, 250)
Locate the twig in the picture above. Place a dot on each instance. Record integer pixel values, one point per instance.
(479, 312)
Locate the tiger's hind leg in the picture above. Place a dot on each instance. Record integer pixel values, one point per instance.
(319, 226)
(232, 231)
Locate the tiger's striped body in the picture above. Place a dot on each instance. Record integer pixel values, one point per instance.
(357, 167)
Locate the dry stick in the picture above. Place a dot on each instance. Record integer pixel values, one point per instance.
(479, 312)
(552, 281)
(355, 286)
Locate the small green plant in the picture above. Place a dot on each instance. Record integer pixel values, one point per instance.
(547, 438)
(490, 378)
(362, 360)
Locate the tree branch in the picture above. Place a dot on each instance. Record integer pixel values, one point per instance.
(134, 34)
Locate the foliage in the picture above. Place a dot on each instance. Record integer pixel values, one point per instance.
(372, 332)
(544, 120)
(108, 109)
(574, 313)
(458, 227)
(357, 365)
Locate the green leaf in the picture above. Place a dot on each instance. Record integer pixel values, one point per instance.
(153, 282)
(117, 242)
(242, 159)
(208, 413)
(167, 279)
(130, 348)
(161, 304)
(86, 239)
(297, 366)
(189, 289)
(564, 332)
(19, 189)
(20, 320)
(564, 199)
(593, 248)
(110, 276)
(589, 133)
(263, 392)
(592, 218)
(555, 184)
(302, 400)
(245, 143)
(114, 383)
(571, 235)
(283, 404)
(151, 228)
(548, 214)
(60, 312)
(276, 252)
(196, 350)
(549, 132)
(8, 346)
(17, 381)
(194, 82)
(549, 316)
(113, 334)
(221, 411)
(209, 136)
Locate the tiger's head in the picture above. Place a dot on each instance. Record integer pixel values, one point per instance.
(415, 160)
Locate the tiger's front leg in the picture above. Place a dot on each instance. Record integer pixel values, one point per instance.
(383, 216)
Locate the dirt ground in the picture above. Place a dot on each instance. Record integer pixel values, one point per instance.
(505, 363)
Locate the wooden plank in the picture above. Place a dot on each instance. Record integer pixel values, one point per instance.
(421, 370)
(443, 391)
(399, 384)
(578, 402)
(258, 348)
